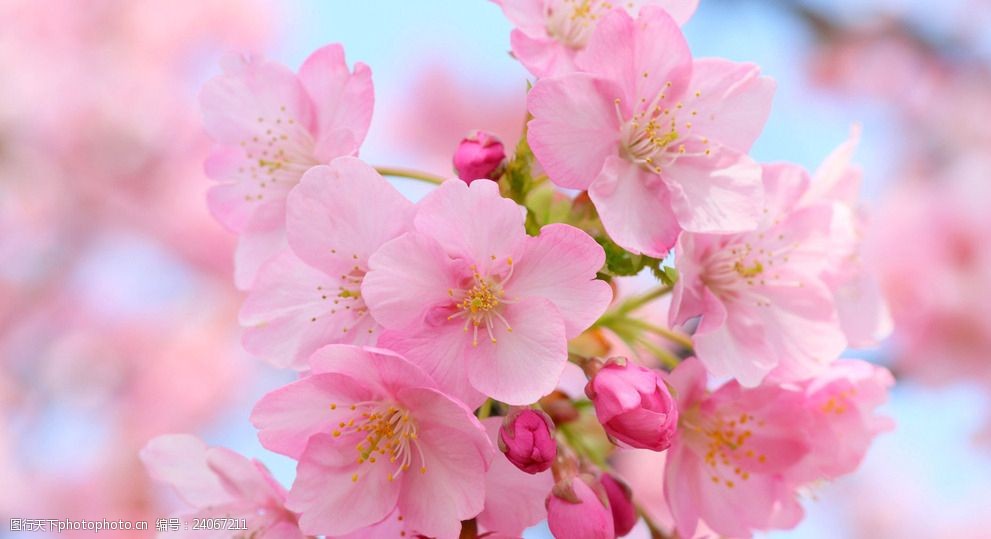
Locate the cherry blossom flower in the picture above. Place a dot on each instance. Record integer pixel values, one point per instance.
(220, 483)
(374, 437)
(310, 294)
(549, 33)
(741, 455)
(481, 306)
(657, 139)
(271, 126)
(862, 310)
(634, 405)
(761, 294)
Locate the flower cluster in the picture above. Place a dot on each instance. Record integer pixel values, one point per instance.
(461, 359)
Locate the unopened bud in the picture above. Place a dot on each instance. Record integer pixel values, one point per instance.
(480, 155)
(577, 507)
(527, 438)
(624, 512)
(634, 405)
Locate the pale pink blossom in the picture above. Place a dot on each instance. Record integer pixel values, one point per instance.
(862, 310)
(658, 139)
(374, 437)
(271, 126)
(550, 33)
(310, 294)
(761, 295)
(481, 306)
(219, 483)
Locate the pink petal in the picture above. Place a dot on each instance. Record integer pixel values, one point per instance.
(340, 214)
(541, 55)
(408, 277)
(381, 371)
(523, 364)
(641, 56)
(635, 209)
(328, 500)
(680, 10)
(560, 265)
(574, 127)
(248, 480)
(288, 417)
(527, 15)
(456, 455)
(717, 193)
(440, 351)
(682, 489)
(733, 344)
(293, 309)
(233, 102)
(341, 99)
(180, 460)
(514, 500)
(254, 249)
(472, 222)
(733, 101)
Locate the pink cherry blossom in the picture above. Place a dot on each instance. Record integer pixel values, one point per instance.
(742, 455)
(514, 499)
(270, 126)
(218, 482)
(761, 294)
(578, 508)
(657, 139)
(862, 310)
(481, 306)
(310, 294)
(550, 33)
(728, 466)
(374, 436)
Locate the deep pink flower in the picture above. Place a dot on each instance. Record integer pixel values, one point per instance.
(271, 126)
(761, 294)
(657, 139)
(373, 436)
(481, 306)
(527, 439)
(219, 483)
(578, 508)
(514, 500)
(549, 33)
(480, 155)
(310, 295)
(624, 512)
(634, 405)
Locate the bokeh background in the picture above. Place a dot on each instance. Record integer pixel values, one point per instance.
(117, 310)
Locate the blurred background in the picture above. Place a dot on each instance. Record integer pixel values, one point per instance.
(117, 308)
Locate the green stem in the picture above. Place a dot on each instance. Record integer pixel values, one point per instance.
(632, 304)
(411, 174)
(485, 410)
(680, 339)
(667, 358)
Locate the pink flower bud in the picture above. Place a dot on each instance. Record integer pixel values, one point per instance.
(527, 438)
(577, 508)
(624, 513)
(479, 156)
(634, 405)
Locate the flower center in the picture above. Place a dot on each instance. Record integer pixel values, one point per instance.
(742, 269)
(655, 136)
(347, 298)
(479, 304)
(723, 445)
(385, 431)
(571, 22)
(276, 155)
